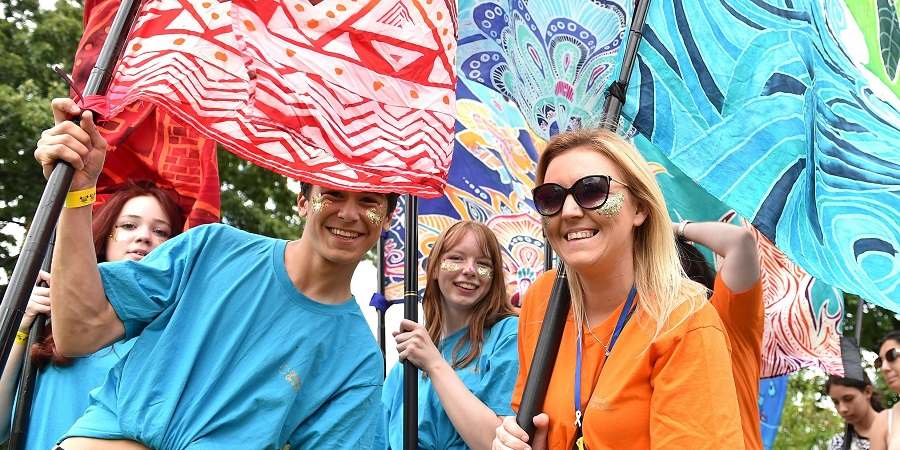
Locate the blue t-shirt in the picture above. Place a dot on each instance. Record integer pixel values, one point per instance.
(62, 393)
(491, 377)
(229, 355)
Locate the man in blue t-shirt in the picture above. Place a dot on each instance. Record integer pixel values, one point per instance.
(242, 341)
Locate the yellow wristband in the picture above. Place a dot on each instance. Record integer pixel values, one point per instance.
(84, 197)
(21, 337)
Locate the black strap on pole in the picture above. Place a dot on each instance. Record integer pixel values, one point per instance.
(36, 241)
(560, 298)
(615, 99)
(411, 312)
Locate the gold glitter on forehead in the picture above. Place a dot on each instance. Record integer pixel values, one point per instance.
(374, 216)
(318, 203)
(450, 266)
(613, 205)
(485, 273)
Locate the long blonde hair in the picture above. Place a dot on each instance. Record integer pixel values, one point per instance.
(489, 310)
(660, 280)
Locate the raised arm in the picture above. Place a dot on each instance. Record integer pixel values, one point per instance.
(735, 244)
(83, 320)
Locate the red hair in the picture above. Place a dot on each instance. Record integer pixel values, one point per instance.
(102, 224)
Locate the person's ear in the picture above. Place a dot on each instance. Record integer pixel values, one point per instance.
(641, 212)
(302, 205)
(386, 223)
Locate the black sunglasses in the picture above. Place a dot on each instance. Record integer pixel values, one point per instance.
(889, 356)
(589, 192)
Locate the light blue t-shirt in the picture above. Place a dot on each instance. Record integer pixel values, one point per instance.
(491, 377)
(229, 355)
(62, 393)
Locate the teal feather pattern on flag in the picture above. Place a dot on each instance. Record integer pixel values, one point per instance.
(774, 117)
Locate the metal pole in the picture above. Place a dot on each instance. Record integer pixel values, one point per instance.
(382, 332)
(545, 353)
(857, 331)
(36, 241)
(558, 306)
(411, 312)
(28, 375)
(548, 256)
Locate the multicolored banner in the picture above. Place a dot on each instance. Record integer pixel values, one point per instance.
(540, 67)
(355, 95)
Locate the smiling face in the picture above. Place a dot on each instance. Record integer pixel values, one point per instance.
(851, 403)
(140, 227)
(890, 370)
(586, 239)
(465, 274)
(342, 226)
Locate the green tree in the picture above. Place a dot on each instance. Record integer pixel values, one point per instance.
(30, 41)
(808, 419)
(257, 200)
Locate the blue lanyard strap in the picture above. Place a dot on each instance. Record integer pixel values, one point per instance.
(620, 324)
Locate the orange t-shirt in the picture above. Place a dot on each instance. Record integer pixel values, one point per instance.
(674, 392)
(743, 317)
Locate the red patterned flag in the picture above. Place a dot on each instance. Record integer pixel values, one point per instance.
(147, 143)
(343, 93)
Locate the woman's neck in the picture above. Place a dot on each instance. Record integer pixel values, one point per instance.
(604, 292)
(453, 320)
(864, 425)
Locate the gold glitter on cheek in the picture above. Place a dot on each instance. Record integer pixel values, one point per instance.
(485, 273)
(450, 266)
(613, 205)
(374, 216)
(318, 203)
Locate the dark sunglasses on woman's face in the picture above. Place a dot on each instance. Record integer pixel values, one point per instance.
(589, 192)
(889, 356)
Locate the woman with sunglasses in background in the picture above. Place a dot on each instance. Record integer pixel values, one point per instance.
(643, 361)
(467, 350)
(132, 222)
(857, 403)
(886, 433)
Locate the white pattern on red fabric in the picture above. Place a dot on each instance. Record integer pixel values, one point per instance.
(344, 93)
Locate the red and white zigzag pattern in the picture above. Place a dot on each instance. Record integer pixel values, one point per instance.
(344, 93)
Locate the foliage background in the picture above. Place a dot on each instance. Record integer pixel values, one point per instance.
(253, 199)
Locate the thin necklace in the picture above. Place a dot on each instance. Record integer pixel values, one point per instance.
(591, 332)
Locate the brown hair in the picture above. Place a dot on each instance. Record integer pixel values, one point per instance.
(661, 282)
(104, 219)
(491, 309)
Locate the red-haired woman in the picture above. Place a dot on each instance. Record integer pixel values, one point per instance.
(134, 221)
(467, 349)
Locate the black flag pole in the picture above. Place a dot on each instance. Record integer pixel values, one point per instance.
(382, 332)
(38, 237)
(560, 299)
(28, 374)
(411, 312)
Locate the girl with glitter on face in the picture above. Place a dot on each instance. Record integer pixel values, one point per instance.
(642, 352)
(466, 350)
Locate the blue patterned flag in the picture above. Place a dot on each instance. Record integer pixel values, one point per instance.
(746, 106)
(788, 112)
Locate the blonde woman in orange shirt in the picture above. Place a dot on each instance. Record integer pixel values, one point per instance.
(643, 362)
